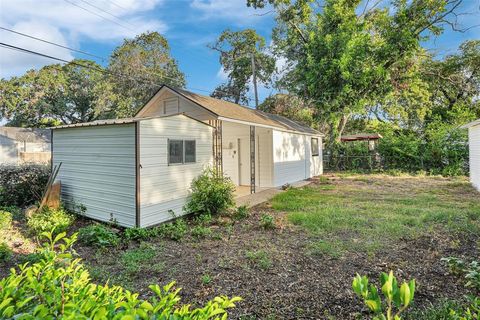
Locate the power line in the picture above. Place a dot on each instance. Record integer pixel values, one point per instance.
(16, 48)
(98, 15)
(105, 11)
(116, 4)
(53, 43)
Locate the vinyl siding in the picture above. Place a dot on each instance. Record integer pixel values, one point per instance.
(292, 158)
(98, 170)
(474, 148)
(166, 187)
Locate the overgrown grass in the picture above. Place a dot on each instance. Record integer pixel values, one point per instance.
(353, 216)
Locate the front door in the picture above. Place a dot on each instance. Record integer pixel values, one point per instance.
(243, 161)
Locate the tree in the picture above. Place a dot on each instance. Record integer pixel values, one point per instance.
(236, 49)
(347, 58)
(136, 70)
(52, 95)
(291, 107)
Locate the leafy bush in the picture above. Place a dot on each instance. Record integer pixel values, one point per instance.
(267, 221)
(98, 235)
(5, 251)
(48, 219)
(241, 212)
(395, 296)
(173, 230)
(59, 287)
(139, 233)
(470, 271)
(5, 220)
(212, 193)
(201, 232)
(22, 185)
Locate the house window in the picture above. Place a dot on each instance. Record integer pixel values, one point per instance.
(314, 145)
(181, 151)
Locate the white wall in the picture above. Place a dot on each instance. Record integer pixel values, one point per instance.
(239, 169)
(292, 158)
(166, 187)
(98, 170)
(474, 148)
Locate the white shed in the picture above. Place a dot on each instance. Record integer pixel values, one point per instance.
(474, 151)
(119, 169)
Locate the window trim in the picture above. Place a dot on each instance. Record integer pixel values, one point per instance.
(315, 153)
(183, 152)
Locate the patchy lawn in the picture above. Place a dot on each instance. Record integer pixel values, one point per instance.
(324, 235)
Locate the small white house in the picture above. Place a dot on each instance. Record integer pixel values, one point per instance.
(138, 171)
(474, 151)
(20, 145)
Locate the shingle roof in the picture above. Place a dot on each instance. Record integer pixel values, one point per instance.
(26, 134)
(235, 111)
(361, 136)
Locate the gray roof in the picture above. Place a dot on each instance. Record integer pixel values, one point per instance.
(35, 135)
(230, 110)
(471, 124)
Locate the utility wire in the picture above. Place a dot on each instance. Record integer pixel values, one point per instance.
(99, 15)
(105, 11)
(53, 43)
(116, 4)
(16, 48)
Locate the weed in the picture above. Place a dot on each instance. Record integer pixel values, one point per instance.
(173, 230)
(98, 235)
(200, 232)
(260, 258)
(241, 212)
(267, 221)
(206, 279)
(5, 252)
(48, 219)
(470, 271)
(133, 258)
(138, 233)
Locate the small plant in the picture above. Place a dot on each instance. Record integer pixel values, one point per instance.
(395, 296)
(203, 219)
(5, 252)
(267, 221)
(139, 233)
(241, 212)
(133, 259)
(173, 230)
(5, 220)
(98, 235)
(470, 271)
(50, 219)
(201, 232)
(59, 287)
(206, 279)
(212, 193)
(260, 258)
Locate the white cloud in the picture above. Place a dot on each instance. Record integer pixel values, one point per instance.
(61, 22)
(235, 11)
(222, 75)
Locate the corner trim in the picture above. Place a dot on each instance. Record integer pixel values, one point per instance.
(137, 174)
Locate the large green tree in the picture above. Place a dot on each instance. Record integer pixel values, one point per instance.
(236, 49)
(136, 70)
(348, 57)
(54, 94)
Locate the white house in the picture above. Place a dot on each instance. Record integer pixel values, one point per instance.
(138, 171)
(474, 151)
(19, 145)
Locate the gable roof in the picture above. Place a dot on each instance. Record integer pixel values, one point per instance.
(230, 110)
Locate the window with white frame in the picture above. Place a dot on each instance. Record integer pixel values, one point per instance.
(181, 151)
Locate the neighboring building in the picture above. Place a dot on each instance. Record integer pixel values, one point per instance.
(474, 151)
(19, 145)
(138, 171)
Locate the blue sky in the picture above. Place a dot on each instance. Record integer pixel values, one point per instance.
(189, 25)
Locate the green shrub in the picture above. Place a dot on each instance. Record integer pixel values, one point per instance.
(22, 185)
(173, 230)
(395, 296)
(59, 287)
(139, 233)
(241, 212)
(201, 232)
(98, 235)
(48, 219)
(470, 271)
(5, 220)
(5, 252)
(212, 193)
(267, 221)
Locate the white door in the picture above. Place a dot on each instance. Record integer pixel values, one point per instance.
(244, 161)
